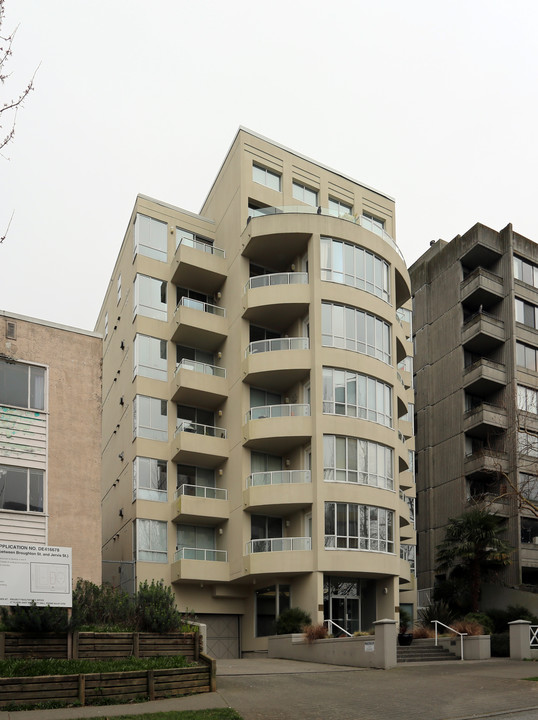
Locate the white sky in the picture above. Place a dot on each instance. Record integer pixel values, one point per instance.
(434, 103)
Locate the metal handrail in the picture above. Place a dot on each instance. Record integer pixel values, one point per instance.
(338, 626)
(438, 622)
(284, 278)
(200, 367)
(285, 343)
(200, 305)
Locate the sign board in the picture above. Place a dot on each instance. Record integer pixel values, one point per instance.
(369, 646)
(35, 574)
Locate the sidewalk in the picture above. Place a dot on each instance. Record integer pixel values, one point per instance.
(264, 688)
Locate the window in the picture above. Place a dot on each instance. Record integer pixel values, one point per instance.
(106, 325)
(528, 487)
(11, 330)
(352, 265)
(150, 418)
(270, 603)
(197, 356)
(194, 541)
(353, 460)
(149, 297)
(375, 224)
(119, 289)
(264, 176)
(22, 385)
(526, 313)
(190, 239)
(263, 527)
(525, 271)
(526, 356)
(352, 329)
(150, 238)
(149, 479)
(349, 526)
(150, 541)
(355, 395)
(305, 194)
(21, 489)
(195, 477)
(150, 357)
(527, 399)
(527, 443)
(338, 208)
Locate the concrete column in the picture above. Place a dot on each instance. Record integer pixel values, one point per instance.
(520, 642)
(385, 643)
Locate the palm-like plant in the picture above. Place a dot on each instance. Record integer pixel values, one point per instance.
(473, 550)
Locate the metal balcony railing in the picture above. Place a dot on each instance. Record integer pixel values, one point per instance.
(286, 343)
(203, 246)
(199, 429)
(277, 411)
(202, 491)
(279, 477)
(285, 278)
(278, 545)
(187, 553)
(200, 367)
(200, 305)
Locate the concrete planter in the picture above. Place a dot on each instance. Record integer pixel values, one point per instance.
(475, 647)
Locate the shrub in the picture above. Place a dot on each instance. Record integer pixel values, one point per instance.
(422, 632)
(155, 608)
(102, 607)
(361, 633)
(468, 627)
(405, 621)
(436, 610)
(315, 632)
(292, 620)
(501, 618)
(500, 645)
(34, 619)
(481, 619)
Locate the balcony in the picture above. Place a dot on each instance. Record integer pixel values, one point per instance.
(279, 556)
(408, 553)
(276, 429)
(485, 461)
(200, 505)
(406, 479)
(408, 513)
(276, 300)
(484, 377)
(482, 332)
(484, 420)
(197, 444)
(199, 384)
(200, 565)
(199, 324)
(277, 364)
(481, 288)
(199, 265)
(483, 248)
(284, 491)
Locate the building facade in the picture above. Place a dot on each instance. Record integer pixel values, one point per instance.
(476, 341)
(257, 400)
(50, 439)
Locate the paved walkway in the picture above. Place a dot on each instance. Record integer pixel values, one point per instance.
(262, 688)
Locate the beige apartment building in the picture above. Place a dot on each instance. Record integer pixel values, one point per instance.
(476, 347)
(257, 401)
(50, 439)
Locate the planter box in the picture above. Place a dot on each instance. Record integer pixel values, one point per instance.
(475, 647)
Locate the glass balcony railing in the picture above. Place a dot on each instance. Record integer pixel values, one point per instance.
(409, 553)
(202, 491)
(199, 429)
(286, 343)
(279, 545)
(276, 411)
(200, 367)
(200, 305)
(285, 278)
(410, 503)
(201, 554)
(279, 477)
(203, 246)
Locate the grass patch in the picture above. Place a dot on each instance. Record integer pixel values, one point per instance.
(28, 667)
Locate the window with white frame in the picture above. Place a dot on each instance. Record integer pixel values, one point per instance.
(196, 537)
(526, 313)
(304, 193)
(151, 544)
(356, 395)
(149, 479)
(150, 418)
(349, 264)
(353, 329)
(339, 208)
(21, 489)
(377, 224)
(150, 357)
(195, 477)
(349, 526)
(527, 399)
(526, 271)
(354, 460)
(264, 176)
(150, 297)
(150, 237)
(526, 356)
(22, 385)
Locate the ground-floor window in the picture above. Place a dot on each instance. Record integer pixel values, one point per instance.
(270, 603)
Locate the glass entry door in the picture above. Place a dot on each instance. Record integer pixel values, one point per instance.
(345, 613)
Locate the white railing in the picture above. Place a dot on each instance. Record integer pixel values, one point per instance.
(285, 343)
(200, 367)
(533, 630)
(438, 622)
(279, 544)
(202, 491)
(330, 624)
(276, 411)
(279, 477)
(200, 305)
(203, 246)
(285, 278)
(199, 429)
(187, 553)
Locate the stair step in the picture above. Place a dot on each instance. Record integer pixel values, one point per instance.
(423, 653)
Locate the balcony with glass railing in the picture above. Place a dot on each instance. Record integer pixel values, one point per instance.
(285, 544)
(201, 491)
(277, 364)
(278, 411)
(279, 477)
(277, 344)
(199, 444)
(198, 384)
(273, 279)
(192, 502)
(201, 565)
(199, 264)
(199, 324)
(201, 554)
(275, 429)
(410, 502)
(281, 491)
(268, 305)
(408, 553)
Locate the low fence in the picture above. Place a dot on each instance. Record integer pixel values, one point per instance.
(523, 640)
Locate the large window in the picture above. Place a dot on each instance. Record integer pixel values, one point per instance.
(194, 541)
(526, 356)
(527, 443)
(347, 327)
(526, 313)
(264, 176)
(21, 489)
(527, 399)
(150, 357)
(270, 603)
(151, 238)
(349, 526)
(353, 460)
(525, 271)
(339, 208)
(149, 297)
(22, 385)
(355, 395)
(150, 418)
(149, 479)
(349, 264)
(304, 193)
(151, 543)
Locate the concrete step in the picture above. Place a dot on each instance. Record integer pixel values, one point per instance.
(423, 653)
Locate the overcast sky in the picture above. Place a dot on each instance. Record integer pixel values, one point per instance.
(434, 103)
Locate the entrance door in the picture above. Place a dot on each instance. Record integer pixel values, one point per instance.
(345, 612)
